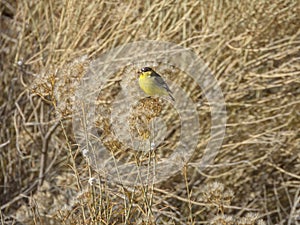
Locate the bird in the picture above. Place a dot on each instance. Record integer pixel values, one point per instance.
(153, 84)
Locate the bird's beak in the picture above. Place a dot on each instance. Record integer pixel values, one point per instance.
(139, 72)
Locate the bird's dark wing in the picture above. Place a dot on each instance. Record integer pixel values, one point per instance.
(161, 81)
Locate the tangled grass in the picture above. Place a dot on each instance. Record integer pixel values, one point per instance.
(253, 49)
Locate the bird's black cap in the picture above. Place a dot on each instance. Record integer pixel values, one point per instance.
(146, 69)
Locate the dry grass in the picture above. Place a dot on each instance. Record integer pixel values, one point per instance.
(253, 48)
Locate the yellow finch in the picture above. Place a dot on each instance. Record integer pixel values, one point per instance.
(152, 83)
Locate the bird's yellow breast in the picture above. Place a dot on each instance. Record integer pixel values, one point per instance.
(150, 86)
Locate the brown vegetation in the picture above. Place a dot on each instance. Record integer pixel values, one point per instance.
(253, 49)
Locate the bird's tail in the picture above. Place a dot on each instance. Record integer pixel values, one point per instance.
(171, 97)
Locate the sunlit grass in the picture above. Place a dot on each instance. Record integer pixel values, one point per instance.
(252, 47)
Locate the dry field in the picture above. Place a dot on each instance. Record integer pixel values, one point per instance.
(253, 50)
